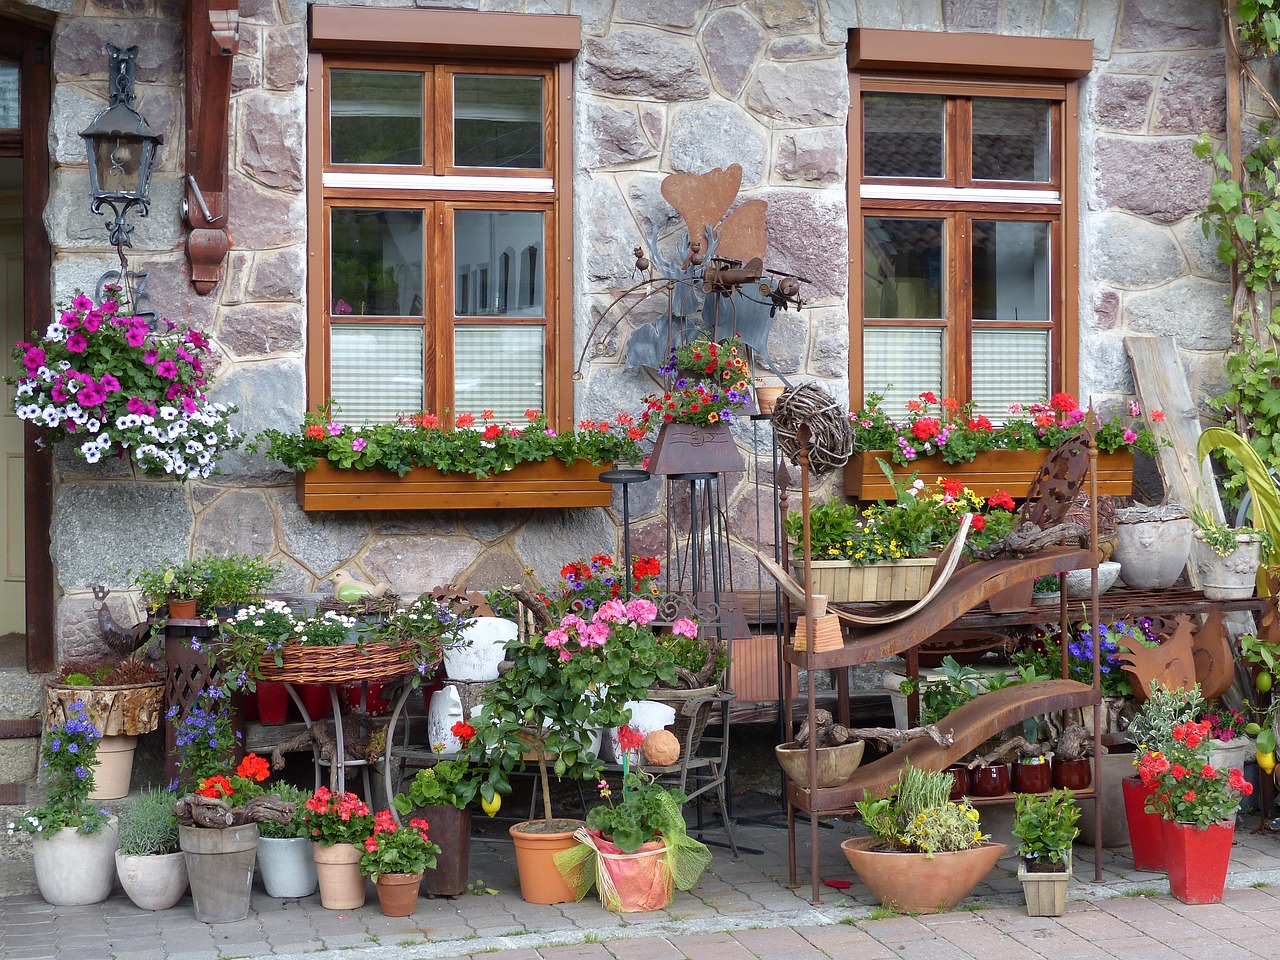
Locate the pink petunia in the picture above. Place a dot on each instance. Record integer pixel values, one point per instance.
(151, 357)
(359, 443)
(76, 343)
(135, 336)
(110, 383)
(166, 370)
(82, 303)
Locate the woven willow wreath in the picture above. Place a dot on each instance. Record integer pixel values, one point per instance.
(830, 436)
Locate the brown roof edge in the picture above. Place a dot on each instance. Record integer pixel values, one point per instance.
(445, 32)
(984, 54)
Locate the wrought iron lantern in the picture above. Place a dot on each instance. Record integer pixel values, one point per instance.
(122, 151)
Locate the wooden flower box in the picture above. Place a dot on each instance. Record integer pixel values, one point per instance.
(551, 483)
(993, 470)
(842, 582)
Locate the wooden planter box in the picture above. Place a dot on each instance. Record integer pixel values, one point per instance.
(1008, 470)
(842, 582)
(551, 483)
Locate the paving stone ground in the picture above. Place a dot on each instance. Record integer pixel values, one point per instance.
(740, 910)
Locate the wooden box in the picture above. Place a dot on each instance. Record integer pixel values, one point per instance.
(842, 582)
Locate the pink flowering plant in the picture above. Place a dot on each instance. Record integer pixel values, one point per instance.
(575, 676)
(1184, 786)
(1225, 724)
(953, 430)
(392, 848)
(103, 380)
(337, 818)
(476, 445)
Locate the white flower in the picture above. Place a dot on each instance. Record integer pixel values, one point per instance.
(52, 416)
(94, 425)
(90, 452)
(26, 388)
(168, 413)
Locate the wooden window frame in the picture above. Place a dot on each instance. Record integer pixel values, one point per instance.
(441, 44)
(966, 66)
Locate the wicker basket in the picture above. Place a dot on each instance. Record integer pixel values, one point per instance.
(375, 662)
(841, 582)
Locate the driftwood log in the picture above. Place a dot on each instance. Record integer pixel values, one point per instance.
(1028, 539)
(1074, 743)
(832, 734)
(357, 731)
(199, 811)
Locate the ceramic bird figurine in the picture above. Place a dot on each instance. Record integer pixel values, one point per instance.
(350, 590)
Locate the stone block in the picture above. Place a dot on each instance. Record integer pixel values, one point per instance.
(732, 42)
(269, 393)
(1132, 252)
(783, 16)
(240, 521)
(553, 536)
(641, 63)
(1160, 179)
(1192, 97)
(808, 92)
(259, 329)
(278, 274)
(659, 13)
(808, 237)
(716, 134)
(321, 541)
(284, 59)
(1193, 311)
(269, 127)
(412, 566)
(974, 16)
(812, 156)
(615, 137)
(1169, 25)
(1123, 102)
(18, 759)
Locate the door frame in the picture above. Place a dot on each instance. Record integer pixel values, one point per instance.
(30, 46)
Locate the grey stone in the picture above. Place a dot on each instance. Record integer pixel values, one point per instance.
(246, 72)
(1202, 251)
(808, 237)
(789, 339)
(653, 117)
(554, 536)
(270, 128)
(1143, 64)
(412, 565)
(916, 14)
(875, 14)
(321, 542)
(1172, 24)
(269, 394)
(615, 137)
(1191, 310)
(88, 542)
(1132, 252)
(1123, 102)
(797, 48)
(73, 108)
(608, 233)
(278, 275)
(21, 694)
(716, 134)
(78, 48)
(732, 43)
(259, 11)
(1162, 179)
(659, 13)
(72, 225)
(18, 765)
(1193, 96)
(262, 218)
(493, 525)
(417, 523)
(1104, 365)
(829, 355)
(783, 16)
(284, 57)
(1061, 18)
(1099, 23)
(259, 329)
(804, 92)
(239, 522)
(651, 209)
(635, 63)
(494, 569)
(976, 16)
(812, 156)
(237, 268)
(1023, 19)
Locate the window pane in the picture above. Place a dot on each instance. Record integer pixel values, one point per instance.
(9, 112)
(377, 263)
(499, 264)
(1010, 270)
(376, 371)
(375, 116)
(902, 268)
(900, 363)
(902, 135)
(1011, 140)
(1009, 366)
(497, 121)
(499, 368)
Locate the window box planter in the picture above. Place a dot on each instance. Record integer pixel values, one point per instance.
(1008, 470)
(550, 483)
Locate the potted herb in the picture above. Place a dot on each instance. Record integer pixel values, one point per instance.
(440, 795)
(924, 852)
(1226, 558)
(396, 857)
(284, 850)
(178, 584)
(233, 582)
(149, 863)
(1046, 589)
(1045, 826)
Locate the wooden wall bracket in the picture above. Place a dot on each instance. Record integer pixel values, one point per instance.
(213, 39)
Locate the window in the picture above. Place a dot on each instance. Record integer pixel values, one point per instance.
(439, 175)
(962, 216)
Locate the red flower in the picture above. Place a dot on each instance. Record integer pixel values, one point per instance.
(629, 739)
(1157, 416)
(486, 414)
(463, 731)
(491, 432)
(466, 420)
(979, 522)
(1189, 796)
(254, 768)
(216, 787)
(929, 397)
(926, 428)
(1000, 499)
(1063, 402)
(315, 432)
(952, 488)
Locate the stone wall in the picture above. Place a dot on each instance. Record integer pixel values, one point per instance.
(661, 86)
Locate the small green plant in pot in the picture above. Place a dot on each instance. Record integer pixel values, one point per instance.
(1046, 826)
(235, 581)
(170, 580)
(285, 862)
(149, 863)
(441, 795)
(1225, 559)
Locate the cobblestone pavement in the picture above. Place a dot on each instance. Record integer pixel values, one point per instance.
(739, 910)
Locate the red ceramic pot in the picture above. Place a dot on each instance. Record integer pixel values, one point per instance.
(959, 781)
(992, 781)
(1198, 859)
(1145, 829)
(1072, 774)
(273, 703)
(315, 697)
(1032, 777)
(375, 704)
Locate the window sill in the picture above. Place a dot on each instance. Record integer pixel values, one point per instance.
(542, 485)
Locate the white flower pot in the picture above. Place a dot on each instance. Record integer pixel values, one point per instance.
(482, 648)
(646, 717)
(1223, 755)
(1152, 553)
(1233, 577)
(444, 712)
(75, 868)
(154, 882)
(287, 867)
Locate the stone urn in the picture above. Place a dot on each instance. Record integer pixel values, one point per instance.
(1152, 545)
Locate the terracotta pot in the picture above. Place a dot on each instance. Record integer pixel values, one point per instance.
(398, 893)
(114, 768)
(1072, 774)
(1145, 831)
(767, 398)
(182, 609)
(540, 881)
(990, 781)
(1198, 859)
(338, 870)
(914, 883)
(959, 781)
(835, 764)
(1032, 777)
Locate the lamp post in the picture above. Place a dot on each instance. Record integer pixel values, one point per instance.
(121, 149)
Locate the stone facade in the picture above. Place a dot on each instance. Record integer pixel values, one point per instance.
(659, 87)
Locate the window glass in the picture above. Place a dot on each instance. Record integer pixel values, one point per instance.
(499, 368)
(497, 121)
(375, 371)
(9, 96)
(377, 266)
(900, 363)
(1011, 140)
(375, 116)
(1009, 366)
(499, 264)
(902, 266)
(1010, 270)
(902, 135)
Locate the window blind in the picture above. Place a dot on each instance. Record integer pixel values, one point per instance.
(1009, 366)
(900, 363)
(499, 368)
(375, 371)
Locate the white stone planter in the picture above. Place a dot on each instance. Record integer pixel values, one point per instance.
(1152, 545)
(74, 868)
(482, 648)
(154, 882)
(1233, 577)
(1223, 755)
